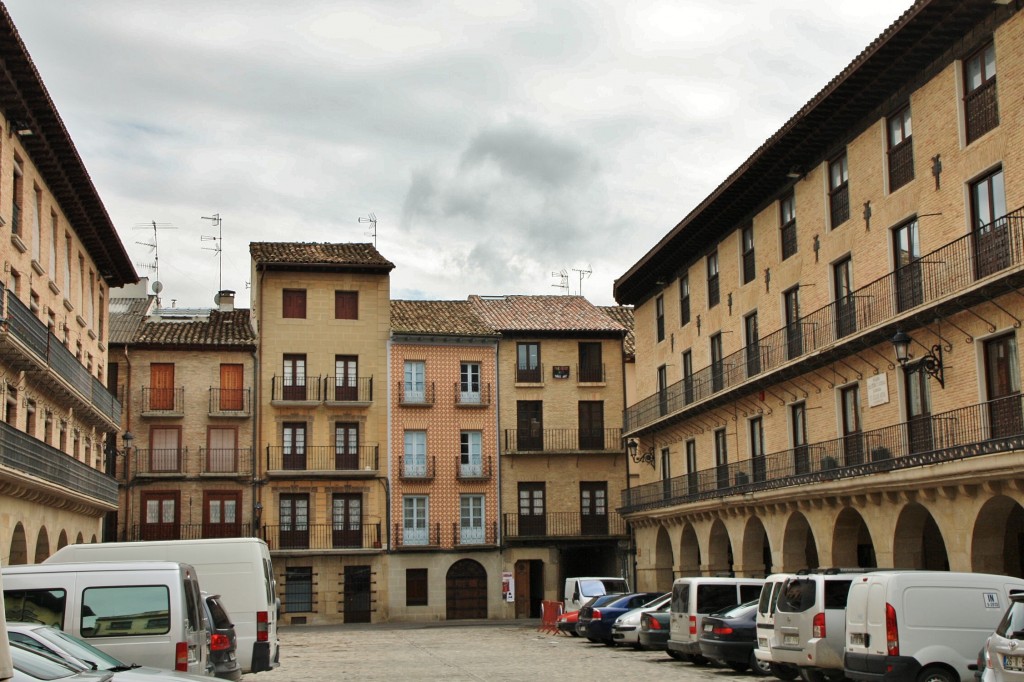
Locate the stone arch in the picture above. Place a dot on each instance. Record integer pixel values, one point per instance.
(19, 546)
(917, 541)
(799, 549)
(756, 555)
(995, 546)
(42, 546)
(663, 560)
(79, 539)
(689, 552)
(720, 556)
(62, 539)
(466, 590)
(851, 541)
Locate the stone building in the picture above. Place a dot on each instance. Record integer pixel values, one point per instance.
(61, 254)
(827, 356)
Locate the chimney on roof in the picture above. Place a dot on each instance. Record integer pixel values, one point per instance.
(225, 300)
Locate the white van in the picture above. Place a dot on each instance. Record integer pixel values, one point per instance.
(765, 626)
(145, 612)
(909, 625)
(578, 591)
(695, 597)
(238, 569)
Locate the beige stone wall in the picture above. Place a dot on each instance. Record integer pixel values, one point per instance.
(33, 527)
(437, 565)
(329, 586)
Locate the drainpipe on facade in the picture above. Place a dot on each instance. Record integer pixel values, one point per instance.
(127, 451)
(257, 502)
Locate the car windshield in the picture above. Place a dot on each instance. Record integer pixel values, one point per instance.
(1012, 625)
(38, 665)
(83, 651)
(593, 588)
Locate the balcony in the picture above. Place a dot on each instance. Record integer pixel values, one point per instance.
(985, 428)
(300, 390)
(466, 536)
(183, 531)
(177, 462)
(415, 395)
(26, 345)
(522, 441)
(981, 110)
(563, 525)
(163, 402)
(413, 469)
(526, 374)
(168, 462)
(590, 374)
(964, 272)
(324, 536)
(226, 461)
(349, 390)
(427, 537)
(323, 460)
(230, 402)
(481, 471)
(23, 457)
(478, 398)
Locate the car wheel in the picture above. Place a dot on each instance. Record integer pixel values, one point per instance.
(937, 675)
(785, 671)
(758, 667)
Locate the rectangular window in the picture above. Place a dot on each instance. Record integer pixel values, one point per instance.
(853, 442)
(663, 389)
(798, 434)
(692, 481)
(161, 516)
(293, 515)
(787, 224)
(532, 519)
(161, 386)
(659, 317)
(591, 421)
(298, 589)
(591, 368)
(1002, 386)
(471, 457)
(293, 445)
(220, 514)
(415, 523)
(684, 300)
(471, 520)
(346, 379)
(165, 449)
(990, 229)
(757, 452)
(593, 507)
(747, 246)
(54, 235)
(717, 367)
(346, 446)
(293, 303)
(346, 305)
(530, 425)
(845, 304)
(713, 293)
(222, 449)
(37, 232)
(907, 254)
(416, 587)
(294, 377)
(347, 520)
(114, 612)
(752, 344)
(981, 108)
(721, 459)
(838, 191)
(528, 362)
(415, 464)
(901, 149)
(67, 264)
(16, 197)
(415, 387)
(794, 330)
(469, 383)
(688, 395)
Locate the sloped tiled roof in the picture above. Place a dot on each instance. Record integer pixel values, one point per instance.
(543, 314)
(314, 254)
(449, 318)
(623, 314)
(220, 329)
(126, 315)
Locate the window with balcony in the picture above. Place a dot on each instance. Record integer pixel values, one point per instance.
(692, 482)
(161, 519)
(684, 300)
(221, 518)
(853, 441)
(755, 428)
(471, 520)
(981, 107)
(659, 317)
(222, 449)
(293, 446)
(591, 368)
(919, 408)
(594, 507)
(415, 387)
(532, 519)
(901, 149)
(469, 383)
(528, 362)
(591, 421)
(838, 191)
(721, 459)
(666, 472)
(798, 435)
(752, 344)
(663, 390)
(232, 393)
(346, 378)
(713, 292)
(294, 377)
(37, 225)
(1002, 386)
(346, 446)
(530, 425)
(161, 386)
(346, 520)
(293, 303)
(845, 304)
(17, 198)
(415, 457)
(747, 253)
(794, 331)
(787, 225)
(54, 235)
(688, 395)
(346, 305)
(717, 368)
(293, 516)
(165, 449)
(990, 229)
(907, 252)
(415, 520)
(298, 589)
(471, 462)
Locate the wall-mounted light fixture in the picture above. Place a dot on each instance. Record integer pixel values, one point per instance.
(931, 362)
(22, 129)
(639, 457)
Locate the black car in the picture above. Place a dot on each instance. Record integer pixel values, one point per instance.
(729, 637)
(587, 614)
(222, 661)
(655, 627)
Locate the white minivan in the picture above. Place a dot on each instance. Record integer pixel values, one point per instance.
(238, 569)
(696, 597)
(765, 626)
(922, 625)
(578, 591)
(145, 612)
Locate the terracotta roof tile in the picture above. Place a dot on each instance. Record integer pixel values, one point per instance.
(219, 329)
(312, 253)
(623, 314)
(543, 314)
(454, 318)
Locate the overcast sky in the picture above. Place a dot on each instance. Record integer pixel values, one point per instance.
(497, 142)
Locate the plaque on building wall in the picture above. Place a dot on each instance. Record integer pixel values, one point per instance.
(560, 371)
(878, 389)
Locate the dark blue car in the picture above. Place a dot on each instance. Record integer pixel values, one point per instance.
(595, 622)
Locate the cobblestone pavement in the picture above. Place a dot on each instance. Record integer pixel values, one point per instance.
(507, 650)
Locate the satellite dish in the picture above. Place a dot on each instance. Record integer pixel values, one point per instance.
(157, 287)
(216, 298)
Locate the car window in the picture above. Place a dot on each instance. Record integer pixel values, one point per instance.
(749, 592)
(193, 604)
(220, 617)
(714, 598)
(836, 592)
(765, 600)
(39, 666)
(680, 597)
(592, 588)
(797, 595)
(1012, 625)
(739, 610)
(35, 606)
(127, 611)
(75, 647)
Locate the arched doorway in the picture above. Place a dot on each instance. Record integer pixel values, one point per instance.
(62, 539)
(995, 547)
(720, 557)
(42, 546)
(917, 542)
(799, 550)
(756, 560)
(466, 590)
(19, 546)
(663, 561)
(852, 546)
(689, 552)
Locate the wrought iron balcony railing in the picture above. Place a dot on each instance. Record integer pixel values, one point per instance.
(484, 534)
(949, 269)
(563, 440)
(476, 471)
(526, 374)
(230, 402)
(347, 534)
(981, 110)
(227, 461)
(418, 469)
(323, 458)
(163, 402)
(301, 390)
(563, 525)
(149, 461)
(590, 374)
(343, 389)
(415, 395)
(428, 536)
(481, 397)
(981, 429)
(183, 531)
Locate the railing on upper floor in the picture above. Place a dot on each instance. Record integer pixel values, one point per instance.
(163, 402)
(562, 525)
(230, 402)
(478, 398)
(323, 458)
(347, 534)
(345, 389)
(563, 440)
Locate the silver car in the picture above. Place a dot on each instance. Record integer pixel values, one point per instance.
(1004, 651)
(626, 628)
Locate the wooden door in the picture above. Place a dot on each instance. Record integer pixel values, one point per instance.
(1002, 384)
(231, 388)
(221, 514)
(161, 516)
(594, 508)
(522, 593)
(466, 586)
(530, 425)
(532, 518)
(294, 387)
(294, 446)
(347, 520)
(294, 521)
(346, 380)
(358, 597)
(346, 447)
(161, 380)
(591, 421)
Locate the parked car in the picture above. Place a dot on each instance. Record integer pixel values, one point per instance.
(765, 626)
(729, 637)
(654, 630)
(223, 642)
(82, 656)
(626, 628)
(32, 664)
(579, 590)
(698, 596)
(586, 611)
(567, 623)
(600, 619)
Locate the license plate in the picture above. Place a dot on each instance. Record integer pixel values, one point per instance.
(857, 638)
(708, 628)
(791, 640)
(1013, 662)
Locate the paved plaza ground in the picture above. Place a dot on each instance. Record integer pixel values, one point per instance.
(507, 650)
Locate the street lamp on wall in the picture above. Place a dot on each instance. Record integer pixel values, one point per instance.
(640, 457)
(931, 362)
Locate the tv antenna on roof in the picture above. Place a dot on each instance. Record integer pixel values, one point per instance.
(218, 242)
(372, 219)
(583, 274)
(154, 245)
(563, 280)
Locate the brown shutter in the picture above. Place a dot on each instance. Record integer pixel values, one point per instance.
(346, 305)
(293, 303)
